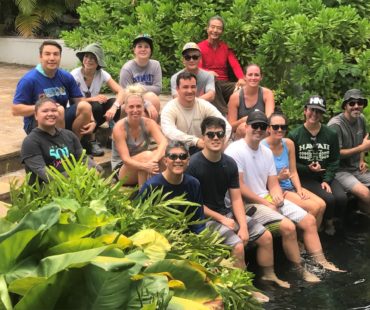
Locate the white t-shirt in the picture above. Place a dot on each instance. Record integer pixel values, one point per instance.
(183, 124)
(256, 165)
(100, 78)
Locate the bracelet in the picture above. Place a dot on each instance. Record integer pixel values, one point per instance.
(116, 104)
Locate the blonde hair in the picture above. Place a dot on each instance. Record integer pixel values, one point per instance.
(136, 90)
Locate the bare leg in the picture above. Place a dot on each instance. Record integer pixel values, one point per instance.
(314, 205)
(363, 194)
(238, 255)
(83, 117)
(265, 259)
(290, 246)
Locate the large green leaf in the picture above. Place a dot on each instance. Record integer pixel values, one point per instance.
(74, 246)
(67, 232)
(12, 247)
(53, 264)
(23, 285)
(5, 302)
(41, 219)
(153, 244)
(197, 286)
(178, 303)
(88, 217)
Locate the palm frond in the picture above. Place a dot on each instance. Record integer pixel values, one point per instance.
(27, 25)
(26, 7)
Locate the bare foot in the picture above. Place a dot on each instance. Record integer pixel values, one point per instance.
(310, 277)
(276, 280)
(262, 298)
(330, 266)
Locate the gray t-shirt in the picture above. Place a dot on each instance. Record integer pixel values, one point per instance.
(205, 82)
(350, 135)
(150, 76)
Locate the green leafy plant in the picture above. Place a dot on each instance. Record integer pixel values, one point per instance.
(97, 249)
(304, 48)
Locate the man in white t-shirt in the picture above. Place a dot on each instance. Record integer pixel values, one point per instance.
(205, 81)
(260, 187)
(181, 117)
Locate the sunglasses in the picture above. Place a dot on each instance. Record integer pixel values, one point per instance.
(261, 126)
(276, 127)
(194, 57)
(353, 103)
(181, 156)
(212, 134)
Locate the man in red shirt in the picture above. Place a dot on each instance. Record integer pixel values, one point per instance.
(216, 57)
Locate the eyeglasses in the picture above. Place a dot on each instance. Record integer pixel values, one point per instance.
(212, 134)
(188, 57)
(276, 127)
(261, 126)
(353, 103)
(181, 156)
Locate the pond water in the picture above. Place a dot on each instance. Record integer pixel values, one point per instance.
(349, 249)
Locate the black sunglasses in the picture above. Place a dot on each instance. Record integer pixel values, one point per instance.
(276, 127)
(359, 103)
(194, 57)
(181, 156)
(261, 126)
(212, 134)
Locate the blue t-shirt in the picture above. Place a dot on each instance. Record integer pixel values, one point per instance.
(189, 185)
(35, 85)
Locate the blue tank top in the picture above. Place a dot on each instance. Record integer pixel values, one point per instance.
(243, 110)
(282, 161)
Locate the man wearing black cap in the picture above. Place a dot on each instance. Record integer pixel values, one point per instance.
(205, 81)
(260, 187)
(353, 141)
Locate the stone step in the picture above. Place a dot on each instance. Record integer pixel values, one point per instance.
(19, 175)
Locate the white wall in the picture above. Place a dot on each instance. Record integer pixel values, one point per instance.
(26, 52)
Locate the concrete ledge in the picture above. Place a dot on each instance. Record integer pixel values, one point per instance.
(23, 51)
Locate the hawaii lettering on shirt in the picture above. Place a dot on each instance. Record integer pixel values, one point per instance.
(314, 151)
(146, 79)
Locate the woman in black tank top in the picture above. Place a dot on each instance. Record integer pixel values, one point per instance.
(250, 97)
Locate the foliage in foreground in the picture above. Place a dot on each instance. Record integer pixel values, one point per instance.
(304, 47)
(81, 243)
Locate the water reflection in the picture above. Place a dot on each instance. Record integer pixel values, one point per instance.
(349, 249)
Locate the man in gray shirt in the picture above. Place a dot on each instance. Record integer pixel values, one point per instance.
(353, 141)
(205, 81)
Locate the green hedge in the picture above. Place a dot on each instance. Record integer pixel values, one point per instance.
(303, 47)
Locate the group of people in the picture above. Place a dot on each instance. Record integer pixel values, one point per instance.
(219, 142)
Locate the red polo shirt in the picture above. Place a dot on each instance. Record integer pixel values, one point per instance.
(216, 59)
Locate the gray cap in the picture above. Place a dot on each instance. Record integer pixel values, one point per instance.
(95, 49)
(257, 116)
(354, 95)
(316, 102)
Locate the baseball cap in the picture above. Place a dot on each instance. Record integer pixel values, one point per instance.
(257, 116)
(143, 37)
(354, 95)
(190, 46)
(316, 102)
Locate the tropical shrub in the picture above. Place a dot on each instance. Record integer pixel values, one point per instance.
(303, 47)
(80, 243)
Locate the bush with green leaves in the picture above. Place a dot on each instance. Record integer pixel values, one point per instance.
(304, 47)
(81, 243)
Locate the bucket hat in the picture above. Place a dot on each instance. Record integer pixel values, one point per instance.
(95, 49)
(354, 95)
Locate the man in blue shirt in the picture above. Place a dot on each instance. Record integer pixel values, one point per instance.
(48, 80)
